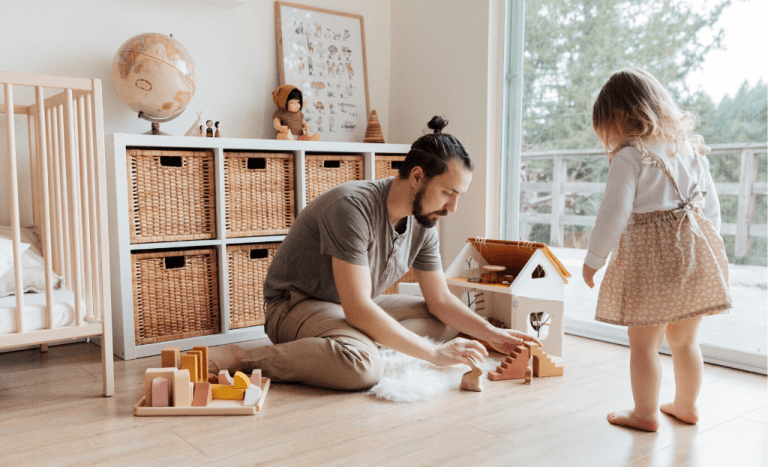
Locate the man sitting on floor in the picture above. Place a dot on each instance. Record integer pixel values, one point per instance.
(324, 311)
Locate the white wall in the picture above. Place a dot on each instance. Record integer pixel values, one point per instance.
(234, 50)
(446, 60)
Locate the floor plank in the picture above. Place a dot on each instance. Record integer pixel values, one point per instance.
(52, 413)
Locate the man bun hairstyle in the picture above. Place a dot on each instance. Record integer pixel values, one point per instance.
(433, 151)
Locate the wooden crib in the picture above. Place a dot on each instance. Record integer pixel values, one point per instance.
(69, 205)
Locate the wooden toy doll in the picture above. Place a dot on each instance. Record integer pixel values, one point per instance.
(288, 119)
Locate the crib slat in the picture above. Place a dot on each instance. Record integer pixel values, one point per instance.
(95, 238)
(46, 204)
(52, 181)
(74, 209)
(101, 182)
(32, 167)
(14, 192)
(85, 209)
(68, 248)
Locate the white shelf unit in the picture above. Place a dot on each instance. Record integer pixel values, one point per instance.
(121, 247)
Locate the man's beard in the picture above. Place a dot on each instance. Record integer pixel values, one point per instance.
(418, 210)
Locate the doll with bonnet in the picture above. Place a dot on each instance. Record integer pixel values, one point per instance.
(288, 119)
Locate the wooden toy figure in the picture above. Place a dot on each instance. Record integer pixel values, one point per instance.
(209, 129)
(288, 119)
(217, 134)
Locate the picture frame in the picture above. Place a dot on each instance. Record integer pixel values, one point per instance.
(322, 52)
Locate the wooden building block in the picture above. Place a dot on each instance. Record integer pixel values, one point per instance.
(203, 349)
(252, 396)
(203, 394)
(201, 377)
(542, 364)
(221, 391)
(471, 379)
(513, 367)
(182, 396)
(527, 376)
(170, 357)
(152, 373)
(191, 390)
(225, 379)
(189, 362)
(241, 381)
(256, 377)
(161, 392)
(213, 379)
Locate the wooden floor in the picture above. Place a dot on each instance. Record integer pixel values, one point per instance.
(52, 413)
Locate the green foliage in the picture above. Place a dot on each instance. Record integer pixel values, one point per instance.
(572, 47)
(741, 119)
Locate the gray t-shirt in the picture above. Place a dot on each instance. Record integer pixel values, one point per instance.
(349, 222)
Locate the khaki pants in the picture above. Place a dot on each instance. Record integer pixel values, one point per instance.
(315, 345)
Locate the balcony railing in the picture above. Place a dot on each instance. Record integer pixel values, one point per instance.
(562, 188)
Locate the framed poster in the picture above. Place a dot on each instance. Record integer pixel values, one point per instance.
(322, 52)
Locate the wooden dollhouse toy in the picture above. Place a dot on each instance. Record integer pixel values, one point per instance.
(518, 283)
(183, 386)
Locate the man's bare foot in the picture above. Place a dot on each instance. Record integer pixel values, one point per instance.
(224, 357)
(628, 418)
(685, 415)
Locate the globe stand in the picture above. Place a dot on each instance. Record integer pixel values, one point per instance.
(156, 123)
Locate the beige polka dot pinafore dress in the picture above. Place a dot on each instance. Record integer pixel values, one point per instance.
(668, 265)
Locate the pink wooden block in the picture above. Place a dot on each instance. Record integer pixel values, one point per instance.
(256, 378)
(225, 379)
(161, 390)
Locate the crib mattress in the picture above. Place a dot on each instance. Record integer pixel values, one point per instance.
(35, 313)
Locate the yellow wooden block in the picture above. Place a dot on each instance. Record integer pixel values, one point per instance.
(221, 391)
(204, 349)
(189, 362)
(241, 381)
(201, 377)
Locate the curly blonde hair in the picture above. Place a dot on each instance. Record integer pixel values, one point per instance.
(632, 106)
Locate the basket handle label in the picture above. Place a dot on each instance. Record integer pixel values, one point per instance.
(175, 262)
(170, 161)
(257, 163)
(259, 254)
(332, 164)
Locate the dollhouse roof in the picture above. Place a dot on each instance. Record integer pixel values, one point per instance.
(515, 254)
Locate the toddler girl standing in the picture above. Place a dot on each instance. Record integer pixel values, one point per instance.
(669, 268)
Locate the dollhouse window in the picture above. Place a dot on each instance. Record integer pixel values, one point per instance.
(538, 273)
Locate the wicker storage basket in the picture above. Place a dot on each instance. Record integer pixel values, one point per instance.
(171, 194)
(259, 193)
(409, 276)
(175, 295)
(327, 171)
(388, 166)
(248, 265)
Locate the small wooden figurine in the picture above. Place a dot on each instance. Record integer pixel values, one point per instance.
(373, 133)
(288, 119)
(471, 379)
(217, 133)
(209, 129)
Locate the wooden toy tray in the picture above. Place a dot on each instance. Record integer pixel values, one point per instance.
(216, 407)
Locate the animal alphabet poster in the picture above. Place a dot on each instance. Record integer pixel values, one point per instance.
(322, 52)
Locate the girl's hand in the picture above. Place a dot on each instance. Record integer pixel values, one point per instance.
(588, 273)
(504, 340)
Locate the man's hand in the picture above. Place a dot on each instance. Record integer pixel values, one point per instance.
(458, 350)
(504, 340)
(588, 273)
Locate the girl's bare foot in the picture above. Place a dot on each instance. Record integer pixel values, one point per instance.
(224, 357)
(628, 418)
(686, 415)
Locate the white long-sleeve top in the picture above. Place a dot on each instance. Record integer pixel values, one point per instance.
(635, 187)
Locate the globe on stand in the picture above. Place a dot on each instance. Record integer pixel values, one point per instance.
(155, 76)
